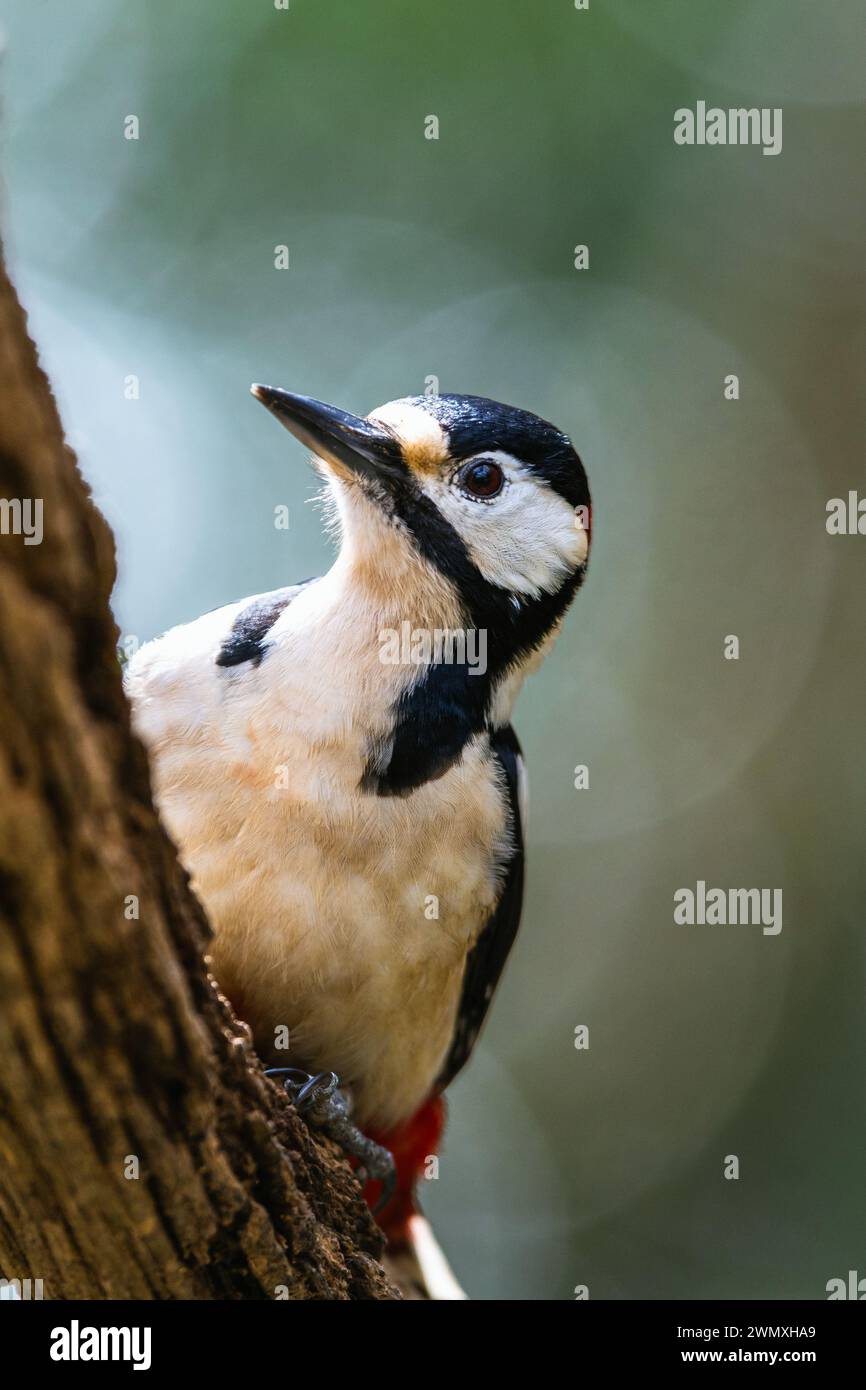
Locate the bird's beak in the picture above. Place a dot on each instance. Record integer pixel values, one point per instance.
(353, 447)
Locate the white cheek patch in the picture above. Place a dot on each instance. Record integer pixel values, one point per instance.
(526, 540)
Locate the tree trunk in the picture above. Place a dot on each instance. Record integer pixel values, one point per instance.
(143, 1153)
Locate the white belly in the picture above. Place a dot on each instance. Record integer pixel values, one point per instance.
(341, 918)
(345, 920)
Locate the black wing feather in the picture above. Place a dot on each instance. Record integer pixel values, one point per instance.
(247, 640)
(486, 960)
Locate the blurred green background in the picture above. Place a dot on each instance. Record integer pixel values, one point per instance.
(410, 258)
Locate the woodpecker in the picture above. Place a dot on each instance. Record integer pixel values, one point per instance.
(350, 804)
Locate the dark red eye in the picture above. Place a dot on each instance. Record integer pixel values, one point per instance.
(482, 478)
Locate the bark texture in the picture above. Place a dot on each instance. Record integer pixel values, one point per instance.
(114, 1043)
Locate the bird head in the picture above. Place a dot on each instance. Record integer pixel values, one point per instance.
(494, 498)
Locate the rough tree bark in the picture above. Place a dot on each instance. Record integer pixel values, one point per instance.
(113, 1040)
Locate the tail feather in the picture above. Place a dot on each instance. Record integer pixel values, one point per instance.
(419, 1267)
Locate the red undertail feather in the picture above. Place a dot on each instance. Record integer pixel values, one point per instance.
(412, 1143)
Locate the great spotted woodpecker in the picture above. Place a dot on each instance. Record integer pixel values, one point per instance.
(336, 763)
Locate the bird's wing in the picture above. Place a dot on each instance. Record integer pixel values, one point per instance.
(247, 639)
(487, 958)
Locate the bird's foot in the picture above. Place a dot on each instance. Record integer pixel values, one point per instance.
(321, 1101)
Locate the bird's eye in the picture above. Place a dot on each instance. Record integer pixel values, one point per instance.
(481, 478)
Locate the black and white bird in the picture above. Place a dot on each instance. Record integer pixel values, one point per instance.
(336, 763)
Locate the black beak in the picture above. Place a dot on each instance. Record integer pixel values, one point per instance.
(343, 440)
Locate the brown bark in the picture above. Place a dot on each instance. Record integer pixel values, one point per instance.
(113, 1040)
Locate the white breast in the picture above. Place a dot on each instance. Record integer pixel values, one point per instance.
(341, 917)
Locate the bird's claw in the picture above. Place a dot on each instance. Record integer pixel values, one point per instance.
(321, 1101)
